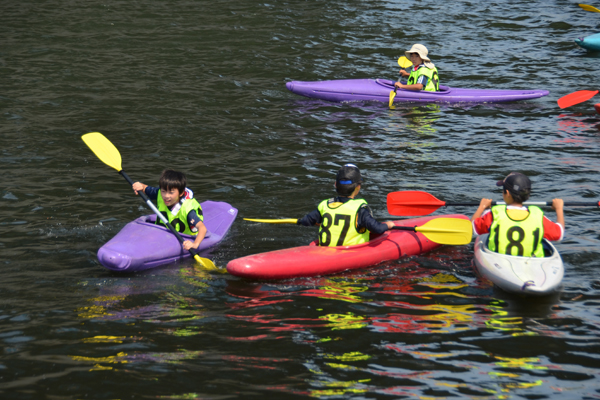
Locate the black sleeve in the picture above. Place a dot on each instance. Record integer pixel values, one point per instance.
(365, 219)
(151, 192)
(193, 217)
(311, 219)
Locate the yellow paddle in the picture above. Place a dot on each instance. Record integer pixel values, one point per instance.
(589, 8)
(109, 155)
(453, 231)
(274, 221)
(404, 63)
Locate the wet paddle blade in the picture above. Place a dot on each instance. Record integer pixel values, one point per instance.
(404, 62)
(589, 8)
(205, 262)
(392, 95)
(273, 221)
(576, 98)
(412, 203)
(103, 149)
(452, 231)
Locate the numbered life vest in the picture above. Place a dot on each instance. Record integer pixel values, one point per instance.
(339, 223)
(517, 238)
(433, 80)
(179, 219)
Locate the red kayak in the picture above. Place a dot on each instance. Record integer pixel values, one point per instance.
(315, 260)
(597, 107)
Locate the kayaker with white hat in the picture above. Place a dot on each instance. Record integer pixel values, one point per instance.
(423, 75)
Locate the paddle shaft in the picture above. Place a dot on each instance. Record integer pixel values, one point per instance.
(158, 213)
(529, 203)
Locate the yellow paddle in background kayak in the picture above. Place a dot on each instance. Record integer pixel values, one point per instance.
(109, 155)
(404, 63)
(453, 231)
(589, 8)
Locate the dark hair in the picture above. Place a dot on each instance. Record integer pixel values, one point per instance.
(345, 190)
(170, 179)
(521, 197)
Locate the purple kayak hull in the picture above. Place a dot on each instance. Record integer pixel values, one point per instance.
(345, 90)
(142, 244)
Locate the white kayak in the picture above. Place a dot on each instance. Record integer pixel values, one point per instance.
(521, 275)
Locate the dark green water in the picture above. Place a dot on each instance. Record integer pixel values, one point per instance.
(200, 86)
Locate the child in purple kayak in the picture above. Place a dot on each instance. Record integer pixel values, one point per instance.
(177, 203)
(423, 75)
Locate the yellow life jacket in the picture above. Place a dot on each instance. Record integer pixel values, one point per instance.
(433, 80)
(517, 238)
(339, 223)
(179, 220)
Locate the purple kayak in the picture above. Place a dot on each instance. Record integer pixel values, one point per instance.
(345, 90)
(142, 244)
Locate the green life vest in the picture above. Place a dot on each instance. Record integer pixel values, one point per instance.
(433, 80)
(179, 221)
(517, 238)
(339, 223)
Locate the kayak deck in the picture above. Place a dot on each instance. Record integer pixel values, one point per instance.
(520, 275)
(348, 90)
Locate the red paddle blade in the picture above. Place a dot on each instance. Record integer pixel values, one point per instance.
(576, 98)
(412, 203)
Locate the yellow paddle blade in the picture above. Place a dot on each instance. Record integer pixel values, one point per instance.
(103, 149)
(205, 262)
(404, 62)
(589, 8)
(453, 231)
(392, 95)
(273, 221)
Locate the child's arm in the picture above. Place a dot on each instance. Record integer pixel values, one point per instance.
(313, 218)
(483, 205)
(557, 205)
(415, 86)
(188, 244)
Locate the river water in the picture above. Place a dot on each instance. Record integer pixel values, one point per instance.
(199, 86)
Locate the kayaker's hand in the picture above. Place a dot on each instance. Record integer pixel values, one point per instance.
(485, 204)
(404, 73)
(138, 187)
(398, 84)
(557, 204)
(390, 224)
(187, 244)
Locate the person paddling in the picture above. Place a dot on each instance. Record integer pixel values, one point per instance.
(345, 220)
(177, 203)
(423, 75)
(515, 229)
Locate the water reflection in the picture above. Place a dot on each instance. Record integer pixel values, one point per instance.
(576, 124)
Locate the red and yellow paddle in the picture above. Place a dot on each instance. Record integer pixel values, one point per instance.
(452, 231)
(412, 203)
